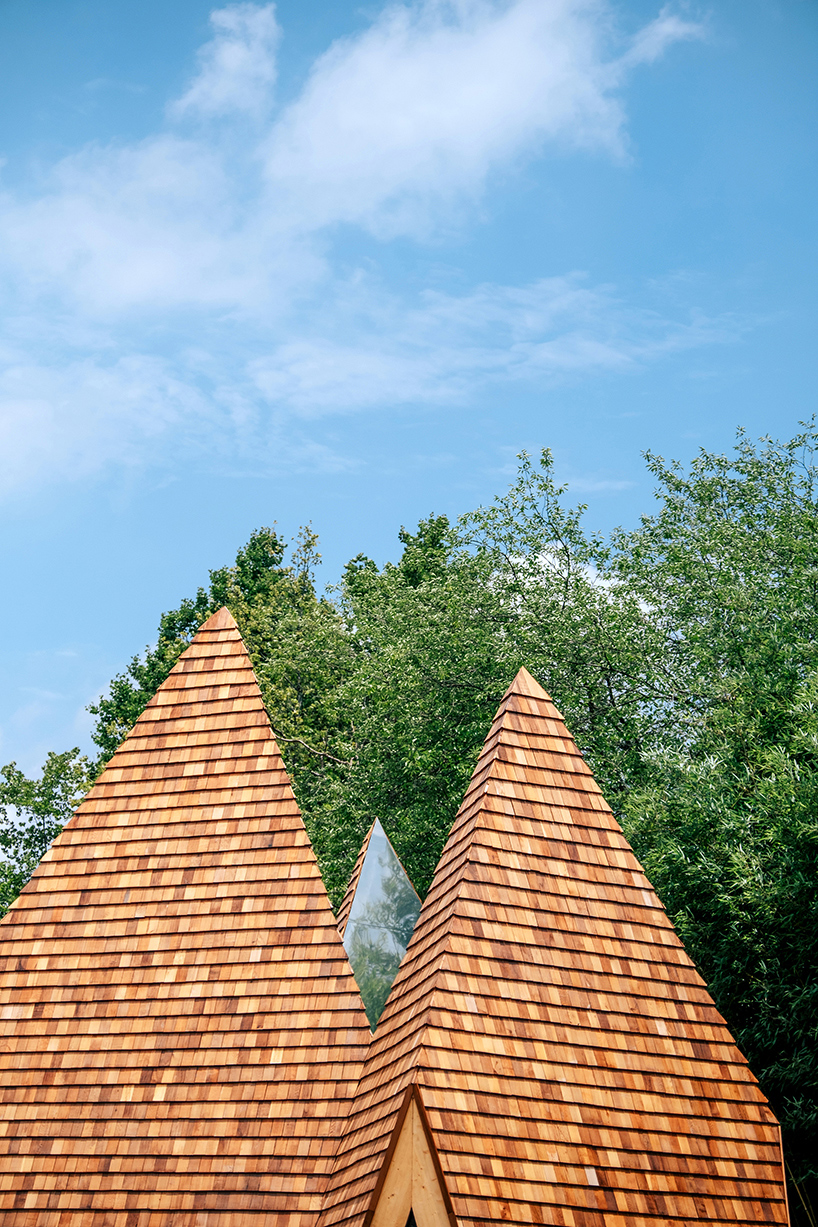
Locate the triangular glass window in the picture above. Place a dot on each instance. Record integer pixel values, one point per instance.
(384, 910)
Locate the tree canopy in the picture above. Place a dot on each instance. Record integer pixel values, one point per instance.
(32, 814)
(683, 654)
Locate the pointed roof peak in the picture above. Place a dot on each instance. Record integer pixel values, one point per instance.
(525, 687)
(524, 683)
(221, 620)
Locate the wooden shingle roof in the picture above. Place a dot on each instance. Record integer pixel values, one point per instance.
(548, 1029)
(181, 1031)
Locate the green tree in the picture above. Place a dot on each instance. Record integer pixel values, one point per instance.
(32, 814)
(683, 655)
(437, 638)
(725, 816)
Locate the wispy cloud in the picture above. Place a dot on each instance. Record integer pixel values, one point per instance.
(653, 40)
(444, 348)
(394, 126)
(185, 293)
(237, 68)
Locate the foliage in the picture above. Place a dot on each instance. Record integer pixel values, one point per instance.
(417, 702)
(438, 637)
(726, 819)
(32, 814)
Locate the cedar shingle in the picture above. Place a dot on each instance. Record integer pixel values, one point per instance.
(181, 1032)
(570, 1061)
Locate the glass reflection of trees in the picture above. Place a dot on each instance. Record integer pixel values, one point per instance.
(381, 921)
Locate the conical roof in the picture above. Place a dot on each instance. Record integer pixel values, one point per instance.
(181, 1030)
(556, 1042)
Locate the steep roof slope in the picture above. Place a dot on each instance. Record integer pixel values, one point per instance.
(181, 1031)
(565, 1054)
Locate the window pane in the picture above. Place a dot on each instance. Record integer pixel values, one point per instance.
(381, 919)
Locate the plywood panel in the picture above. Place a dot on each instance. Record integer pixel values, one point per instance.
(412, 1182)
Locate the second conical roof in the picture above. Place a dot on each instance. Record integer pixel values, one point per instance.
(564, 1055)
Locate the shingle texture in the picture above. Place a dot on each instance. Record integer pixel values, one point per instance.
(181, 1031)
(571, 1064)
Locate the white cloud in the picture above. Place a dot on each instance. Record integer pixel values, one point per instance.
(653, 40)
(69, 419)
(422, 107)
(445, 348)
(237, 67)
(146, 225)
(248, 399)
(185, 288)
(393, 128)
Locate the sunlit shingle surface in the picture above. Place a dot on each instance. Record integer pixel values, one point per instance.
(569, 1060)
(181, 1031)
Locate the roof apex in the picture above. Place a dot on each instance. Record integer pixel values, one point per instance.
(221, 620)
(180, 903)
(525, 684)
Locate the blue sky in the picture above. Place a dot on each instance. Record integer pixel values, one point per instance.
(339, 264)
